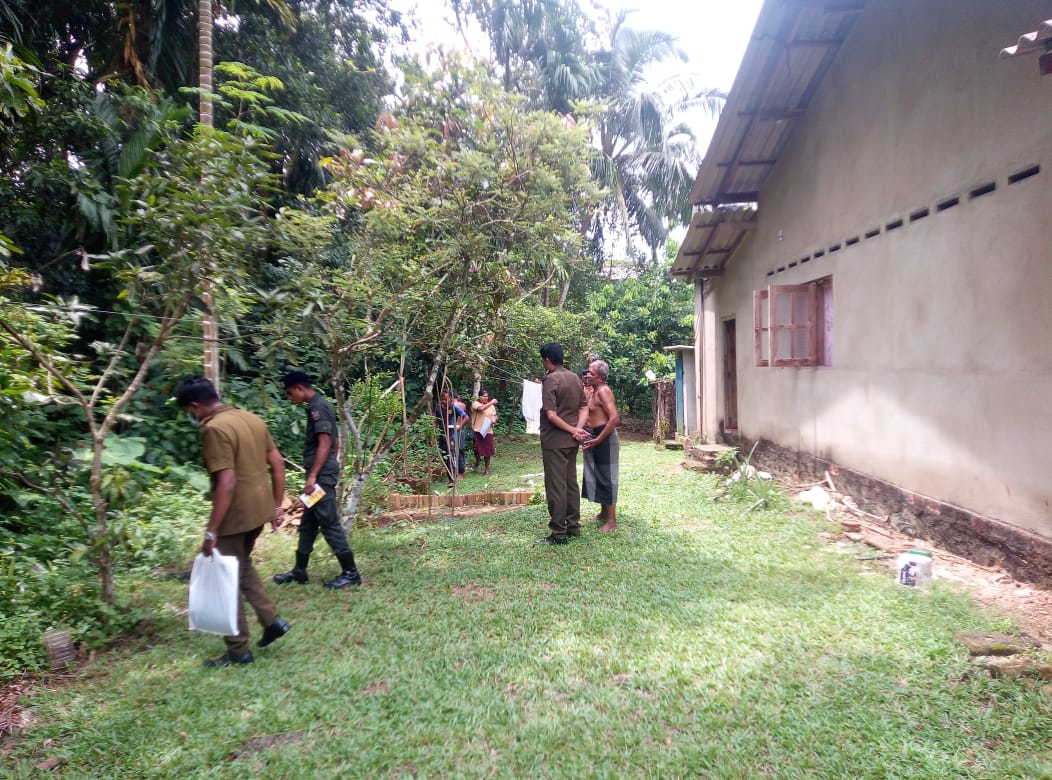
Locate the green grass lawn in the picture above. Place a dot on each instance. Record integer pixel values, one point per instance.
(700, 640)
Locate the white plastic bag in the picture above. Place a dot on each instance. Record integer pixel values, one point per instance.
(213, 594)
(486, 424)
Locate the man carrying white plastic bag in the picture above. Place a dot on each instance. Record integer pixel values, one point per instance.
(248, 490)
(213, 594)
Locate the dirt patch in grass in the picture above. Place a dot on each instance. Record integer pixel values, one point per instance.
(997, 590)
(378, 688)
(256, 745)
(12, 717)
(472, 592)
(993, 588)
(442, 513)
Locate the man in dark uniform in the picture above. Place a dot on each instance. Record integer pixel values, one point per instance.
(563, 411)
(323, 470)
(238, 451)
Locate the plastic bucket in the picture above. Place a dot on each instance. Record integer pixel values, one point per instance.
(914, 568)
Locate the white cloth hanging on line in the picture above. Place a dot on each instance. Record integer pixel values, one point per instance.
(531, 406)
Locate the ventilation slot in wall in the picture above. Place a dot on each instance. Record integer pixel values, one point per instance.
(914, 216)
(1024, 174)
(982, 189)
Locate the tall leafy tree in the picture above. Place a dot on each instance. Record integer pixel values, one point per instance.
(18, 97)
(631, 322)
(192, 212)
(646, 155)
(449, 223)
(332, 65)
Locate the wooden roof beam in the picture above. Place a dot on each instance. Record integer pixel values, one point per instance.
(745, 163)
(703, 252)
(698, 273)
(730, 197)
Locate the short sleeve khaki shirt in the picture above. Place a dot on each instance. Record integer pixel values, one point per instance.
(239, 440)
(562, 392)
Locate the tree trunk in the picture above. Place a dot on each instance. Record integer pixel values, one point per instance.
(209, 325)
(204, 57)
(565, 292)
(101, 542)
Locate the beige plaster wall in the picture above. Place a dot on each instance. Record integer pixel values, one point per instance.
(941, 380)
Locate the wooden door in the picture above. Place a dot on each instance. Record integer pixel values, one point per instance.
(730, 377)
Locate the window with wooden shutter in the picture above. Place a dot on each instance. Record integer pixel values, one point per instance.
(761, 327)
(793, 324)
(794, 335)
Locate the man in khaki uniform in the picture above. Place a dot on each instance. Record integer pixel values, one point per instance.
(563, 411)
(248, 490)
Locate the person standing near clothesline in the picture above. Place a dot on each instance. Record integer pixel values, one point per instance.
(483, 419)
(450, 419)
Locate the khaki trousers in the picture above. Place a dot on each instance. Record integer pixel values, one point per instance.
(560, 488)
(251, 585)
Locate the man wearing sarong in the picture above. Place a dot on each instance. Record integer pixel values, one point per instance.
(602, 449)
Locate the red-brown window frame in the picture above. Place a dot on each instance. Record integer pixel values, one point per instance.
(761, 332)
(803, 317)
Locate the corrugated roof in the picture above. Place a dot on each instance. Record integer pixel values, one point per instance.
(791, 48)
(713, 236)
(1035, 41)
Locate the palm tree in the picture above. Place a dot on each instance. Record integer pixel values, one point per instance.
(645, 158)
(538, 46)
(210, 324)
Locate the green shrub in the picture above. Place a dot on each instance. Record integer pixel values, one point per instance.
(744, 485)
(36, 596)
(163, 528)
(48, 581)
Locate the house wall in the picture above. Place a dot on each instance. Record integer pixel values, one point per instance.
(941, 380)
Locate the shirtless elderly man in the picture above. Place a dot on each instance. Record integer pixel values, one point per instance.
(602, 450)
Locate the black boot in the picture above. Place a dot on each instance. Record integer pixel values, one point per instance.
(298, 573)
(349, 575)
